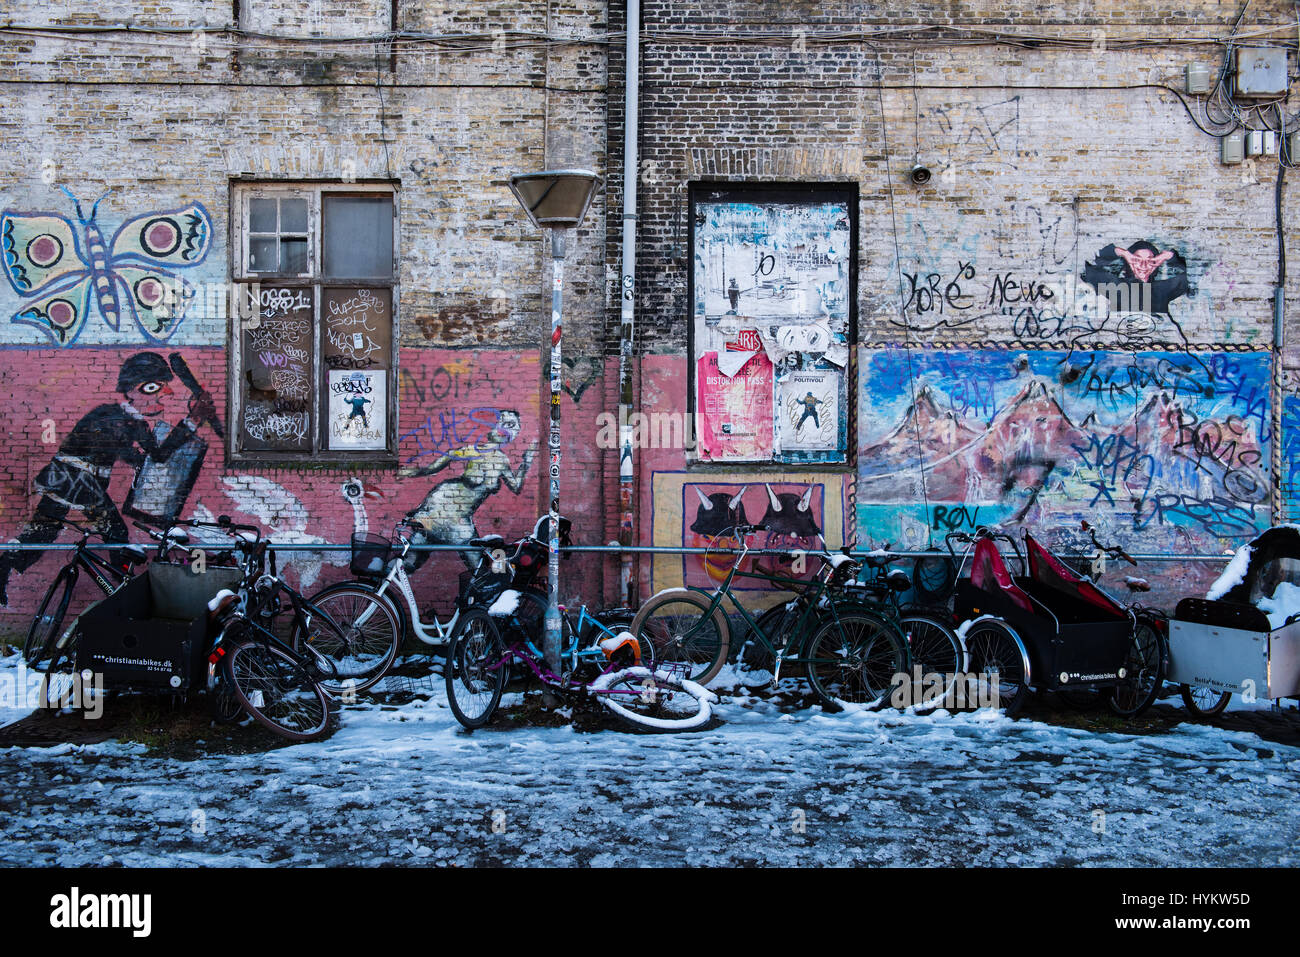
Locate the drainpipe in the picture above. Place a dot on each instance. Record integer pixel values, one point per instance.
(1279, 307)
(627, 298)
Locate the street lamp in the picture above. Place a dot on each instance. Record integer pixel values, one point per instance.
(555, 199)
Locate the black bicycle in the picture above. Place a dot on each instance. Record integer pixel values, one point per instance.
(281, 668)
(48, 643)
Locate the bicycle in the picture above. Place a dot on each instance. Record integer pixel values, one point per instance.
(657, 698)
(48, 646)
(850, 653)
(381, 568)
(286, 686)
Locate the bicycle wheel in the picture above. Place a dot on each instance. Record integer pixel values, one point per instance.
(475, 669)
(854, 660)
(678, 624)
(224, 704)
(1203, 702)
(936, 650)
(277, 690)
(993, 655)
(1144, 668)
(655, 701)
(362, 645)
(44, 630)
(390, 595)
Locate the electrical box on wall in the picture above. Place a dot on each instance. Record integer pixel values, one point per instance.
(1261, 71)
(1232, 148)
(1198, 78)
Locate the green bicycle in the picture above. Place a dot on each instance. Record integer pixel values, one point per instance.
(850, 653)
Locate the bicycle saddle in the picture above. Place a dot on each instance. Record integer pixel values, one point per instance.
(488, 541)
(1138, 584)
(135, 554)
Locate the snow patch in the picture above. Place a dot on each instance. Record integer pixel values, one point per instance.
(506, 604)
(1233, 575)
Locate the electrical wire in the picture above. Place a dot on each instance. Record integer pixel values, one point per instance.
(902, 295)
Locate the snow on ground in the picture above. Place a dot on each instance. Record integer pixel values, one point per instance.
(404, 785)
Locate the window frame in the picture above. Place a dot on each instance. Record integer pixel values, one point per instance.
(762, 191)
(242, 191)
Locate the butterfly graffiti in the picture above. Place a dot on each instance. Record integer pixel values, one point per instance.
(62, 268)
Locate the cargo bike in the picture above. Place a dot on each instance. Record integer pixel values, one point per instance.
(1052, 629)
(1244, 636)
(239, 632)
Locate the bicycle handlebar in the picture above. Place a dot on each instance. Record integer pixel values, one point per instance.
(1114, 551)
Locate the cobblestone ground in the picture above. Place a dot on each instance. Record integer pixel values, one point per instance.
(767, 785)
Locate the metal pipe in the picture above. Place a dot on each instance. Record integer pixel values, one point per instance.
(627, 296)
(596, 549)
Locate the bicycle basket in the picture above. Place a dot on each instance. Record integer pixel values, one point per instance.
(370, 554)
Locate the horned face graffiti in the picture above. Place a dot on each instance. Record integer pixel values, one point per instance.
(718, 512)
(790, 514)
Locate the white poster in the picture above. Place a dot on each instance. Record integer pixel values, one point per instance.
(358, 409)
(808, 410)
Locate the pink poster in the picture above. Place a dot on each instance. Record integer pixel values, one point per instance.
(735, 411)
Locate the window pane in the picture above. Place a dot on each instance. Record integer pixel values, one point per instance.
(276, 411)
(293, 256)
(293, 215)
(358, 236)
(261, 254)
(261, 216)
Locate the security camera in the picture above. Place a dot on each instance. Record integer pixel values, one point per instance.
(920, 174)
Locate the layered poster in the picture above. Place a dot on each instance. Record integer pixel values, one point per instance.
(771, 286)
(735, 411)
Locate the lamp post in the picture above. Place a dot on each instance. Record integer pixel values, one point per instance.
(555, 200)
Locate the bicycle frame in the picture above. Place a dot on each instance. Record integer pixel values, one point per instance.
(792, 652)
(433, 633)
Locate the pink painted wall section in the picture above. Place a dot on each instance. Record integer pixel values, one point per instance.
(471, 461)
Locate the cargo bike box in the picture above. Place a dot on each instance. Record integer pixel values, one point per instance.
(1244, 637)
(1074, 634)
(152, 633)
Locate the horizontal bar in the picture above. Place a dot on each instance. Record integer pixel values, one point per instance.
(598, 549)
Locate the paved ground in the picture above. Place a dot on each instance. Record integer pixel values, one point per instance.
(767, 785)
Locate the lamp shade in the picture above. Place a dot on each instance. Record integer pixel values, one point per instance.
(557, 198)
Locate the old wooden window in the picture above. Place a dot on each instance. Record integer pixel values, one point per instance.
(313, 348)
(773, 319)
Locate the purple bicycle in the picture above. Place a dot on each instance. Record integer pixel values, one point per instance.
(648, 697)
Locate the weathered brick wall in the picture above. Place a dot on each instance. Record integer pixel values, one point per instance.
(168, 119)
(1044, 153)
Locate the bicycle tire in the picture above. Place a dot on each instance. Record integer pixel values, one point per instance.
(404, 628)
(1145, 666)
(1203, 707)
(44, 629)
(685, 706)
(936, 650)
(702, 642)
(474, 649)
(854, 658)
(377, 639)
(263, 677)
(992, 648)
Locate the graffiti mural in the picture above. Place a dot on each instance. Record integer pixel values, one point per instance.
(65, 270)
(447, 511)
(1163, 447)
(166, 459)
(801, 512)
(1142, 278)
